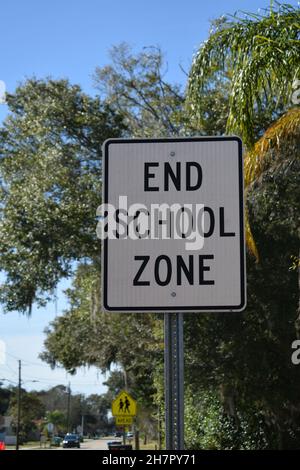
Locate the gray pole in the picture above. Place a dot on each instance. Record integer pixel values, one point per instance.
(125, 379)
(174, 381)
(82, 424)
(19, 409)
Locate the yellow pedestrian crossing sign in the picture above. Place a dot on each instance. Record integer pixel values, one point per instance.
(124, 405)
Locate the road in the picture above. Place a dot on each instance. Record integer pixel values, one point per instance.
(88, 444)
(97, 444)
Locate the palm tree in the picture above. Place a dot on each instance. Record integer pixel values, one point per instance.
(260, 55)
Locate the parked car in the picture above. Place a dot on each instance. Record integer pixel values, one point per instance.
(56, 441)
(71, 440)
(129, 435)
(118, 434)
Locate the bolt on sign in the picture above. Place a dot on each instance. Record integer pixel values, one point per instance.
(172, 221)
(123, 406)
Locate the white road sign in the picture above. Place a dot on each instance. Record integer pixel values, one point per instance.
(172, 224)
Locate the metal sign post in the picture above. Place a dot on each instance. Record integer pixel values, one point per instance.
(174, 381)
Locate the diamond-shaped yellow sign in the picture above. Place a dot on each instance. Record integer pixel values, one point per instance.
(123, 405)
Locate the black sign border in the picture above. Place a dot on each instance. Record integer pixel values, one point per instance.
(217, 308)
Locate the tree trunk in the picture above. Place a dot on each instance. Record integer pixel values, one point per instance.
(297, 322)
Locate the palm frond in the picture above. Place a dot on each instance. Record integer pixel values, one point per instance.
(268, 150)
(265, 55)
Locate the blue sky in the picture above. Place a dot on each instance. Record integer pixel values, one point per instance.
(68, 39)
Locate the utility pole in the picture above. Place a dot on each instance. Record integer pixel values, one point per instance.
(125, 379)
(126, 388)
(82, 424)
(19, 408)
(68, 407)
